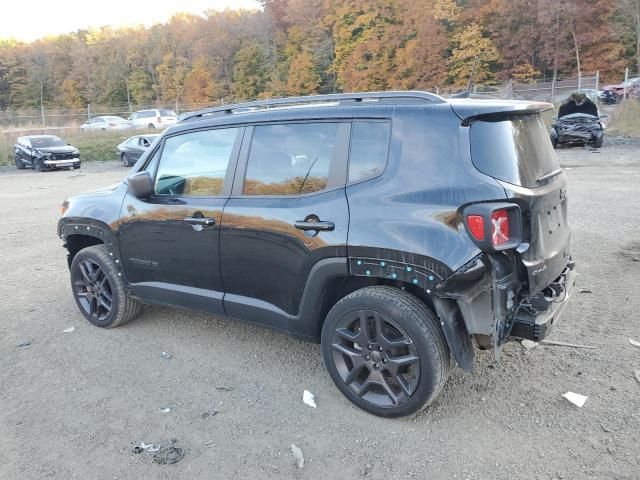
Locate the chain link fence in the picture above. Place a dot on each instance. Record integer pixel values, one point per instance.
(49, 119)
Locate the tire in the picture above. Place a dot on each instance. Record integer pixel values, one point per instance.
(38, 165)
(19, 164)
(368, 369)
(554, 142)
(125, 160)
(598, 142)
(101, 279)
(151, 126)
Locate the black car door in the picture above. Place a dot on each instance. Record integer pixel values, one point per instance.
(169, 243)
(288, 210)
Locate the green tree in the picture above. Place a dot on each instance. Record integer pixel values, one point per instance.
(249, 72)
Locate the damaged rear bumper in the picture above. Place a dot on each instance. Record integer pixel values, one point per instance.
(535, 319)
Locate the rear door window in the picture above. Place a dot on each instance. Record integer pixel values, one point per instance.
(514, 149)
(290, 159)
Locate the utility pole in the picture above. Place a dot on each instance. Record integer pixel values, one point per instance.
(626, 79)
(42, 103)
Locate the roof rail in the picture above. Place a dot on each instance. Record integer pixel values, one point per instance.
(311, 99)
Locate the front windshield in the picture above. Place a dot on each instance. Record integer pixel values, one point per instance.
(46, 142)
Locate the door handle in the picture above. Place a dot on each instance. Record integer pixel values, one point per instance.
(314, 225)
(201, 221)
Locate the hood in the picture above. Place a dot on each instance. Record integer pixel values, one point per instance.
(99, 191)
(62, 149)
(577, 104)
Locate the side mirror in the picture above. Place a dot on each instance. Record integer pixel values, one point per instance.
(141, 185)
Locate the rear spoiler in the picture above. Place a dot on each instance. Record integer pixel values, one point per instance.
(471, 109)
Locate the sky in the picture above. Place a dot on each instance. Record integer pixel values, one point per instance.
(31, 19)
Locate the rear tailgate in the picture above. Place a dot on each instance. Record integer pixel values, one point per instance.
(546, 231)
(513, 146)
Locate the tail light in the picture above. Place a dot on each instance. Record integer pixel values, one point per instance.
(159, 119)
(494, 226)
(499, 227)
(475, 223)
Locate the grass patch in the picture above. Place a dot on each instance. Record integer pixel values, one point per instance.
(93, 146)
(625, 119)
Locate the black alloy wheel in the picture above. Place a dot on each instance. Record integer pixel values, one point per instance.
(376, 358)
(99, 289)
(19, 164)
(93, 290)
(385, 351)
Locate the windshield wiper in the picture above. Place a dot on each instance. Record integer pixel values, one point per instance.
(550, 175)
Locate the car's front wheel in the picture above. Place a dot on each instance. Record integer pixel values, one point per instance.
(385, 351)
(598, 141)
(99, 289)
(38, 165)
(19, 164)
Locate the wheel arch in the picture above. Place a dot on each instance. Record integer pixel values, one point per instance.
(79, 234)
(333, 279)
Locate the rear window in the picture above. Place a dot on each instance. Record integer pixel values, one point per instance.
(515, 149)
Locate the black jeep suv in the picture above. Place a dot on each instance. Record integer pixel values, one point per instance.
(397, 228)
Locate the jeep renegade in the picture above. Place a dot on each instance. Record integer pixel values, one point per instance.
(399, 229)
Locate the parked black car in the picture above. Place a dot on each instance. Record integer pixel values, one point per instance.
(132, 148)
(578, 123)
(44, 152)
(396, 228)
(608, 97)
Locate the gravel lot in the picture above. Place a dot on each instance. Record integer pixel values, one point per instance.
(73, 404)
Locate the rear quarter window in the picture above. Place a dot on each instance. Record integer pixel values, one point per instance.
(368, 150)
(514, 149)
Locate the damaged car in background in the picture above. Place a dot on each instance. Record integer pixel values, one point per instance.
(398, 229)
(578, 123)
(44, 152)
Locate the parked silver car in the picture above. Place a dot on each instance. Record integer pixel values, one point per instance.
(110, 122)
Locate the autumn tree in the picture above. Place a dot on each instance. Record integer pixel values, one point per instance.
(475, 53)
(199, 85)
(303, 78)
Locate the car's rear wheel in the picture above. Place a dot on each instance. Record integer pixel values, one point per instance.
(99, 290)
(151, 126)
(125, 160)
(385, 351)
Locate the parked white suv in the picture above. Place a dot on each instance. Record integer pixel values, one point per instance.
(160, 118)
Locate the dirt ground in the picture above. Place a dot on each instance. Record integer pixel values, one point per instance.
(72, 405)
